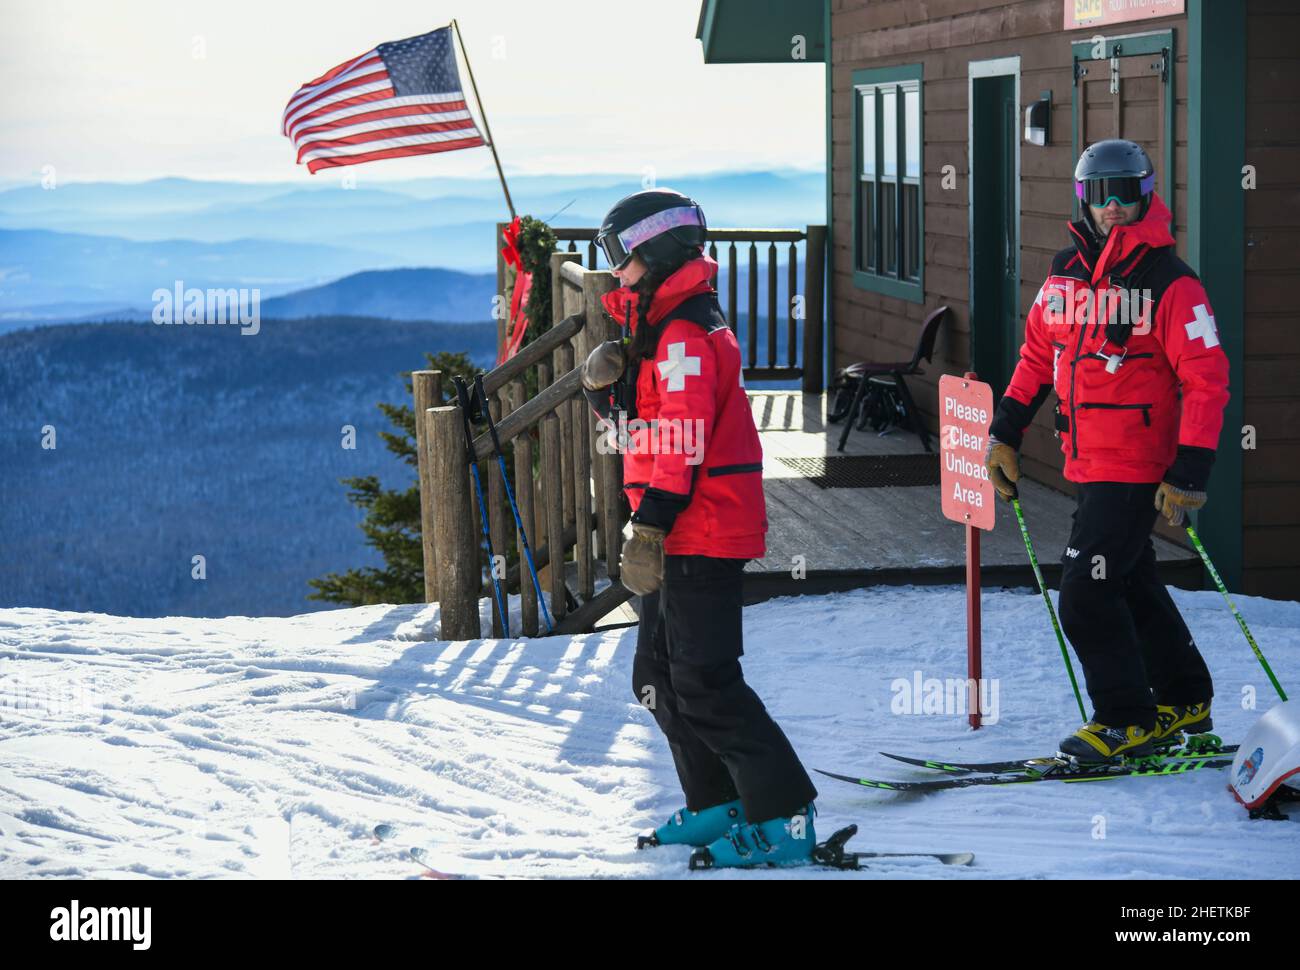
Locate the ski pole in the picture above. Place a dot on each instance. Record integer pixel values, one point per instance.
(1241, 622)
(510, 494)
(462, 395)
(1042, 588)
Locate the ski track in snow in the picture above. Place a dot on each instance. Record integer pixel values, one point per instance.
(271, 747)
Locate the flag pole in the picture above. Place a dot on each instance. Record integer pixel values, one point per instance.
(487, 129)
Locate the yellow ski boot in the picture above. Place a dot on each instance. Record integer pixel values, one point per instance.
(1095, 744)
(1188, 718)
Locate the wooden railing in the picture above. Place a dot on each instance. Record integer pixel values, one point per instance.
(802, 358)
(569, 494)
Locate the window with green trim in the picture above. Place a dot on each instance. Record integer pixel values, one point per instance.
(887, 215)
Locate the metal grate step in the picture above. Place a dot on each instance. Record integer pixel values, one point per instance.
(867, 471)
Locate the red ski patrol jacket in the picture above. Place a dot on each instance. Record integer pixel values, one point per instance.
(1140, 381)
(696, 468)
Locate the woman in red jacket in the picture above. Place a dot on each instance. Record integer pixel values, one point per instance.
(692, 472)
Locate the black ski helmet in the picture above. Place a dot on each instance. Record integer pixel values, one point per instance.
(1114, 168)
(663, 227)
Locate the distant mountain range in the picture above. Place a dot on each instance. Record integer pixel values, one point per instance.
(41, 267)
(436, 295)
(397, 294)
(77, 205)
(86, 248)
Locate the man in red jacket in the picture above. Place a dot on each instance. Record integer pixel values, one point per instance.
(693, 475)
(1123, 331)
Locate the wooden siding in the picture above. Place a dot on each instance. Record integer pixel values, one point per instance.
(1271, 472)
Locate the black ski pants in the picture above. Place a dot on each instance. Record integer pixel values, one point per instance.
(687, 672)
(1135, 649)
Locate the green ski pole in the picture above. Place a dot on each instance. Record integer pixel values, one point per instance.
(1218, 581)
(1042, 588)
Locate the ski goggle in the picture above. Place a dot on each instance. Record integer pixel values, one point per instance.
(618, 247)
(1124, 189)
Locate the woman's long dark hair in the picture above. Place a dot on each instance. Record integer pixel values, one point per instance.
(645, 340)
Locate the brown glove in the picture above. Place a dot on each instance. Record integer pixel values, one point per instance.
(1174, 502)
(641, 568)
(604, 365)
(1003, 463)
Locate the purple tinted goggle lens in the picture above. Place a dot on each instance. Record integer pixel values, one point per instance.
(619, 247)
(1126, 190)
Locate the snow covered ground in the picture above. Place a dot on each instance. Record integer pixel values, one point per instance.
(272, 747)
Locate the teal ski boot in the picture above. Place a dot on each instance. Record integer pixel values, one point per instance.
(777, 842)
(695, 828)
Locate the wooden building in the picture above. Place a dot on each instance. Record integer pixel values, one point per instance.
(934, 196)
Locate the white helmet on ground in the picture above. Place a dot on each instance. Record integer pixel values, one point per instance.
(1269, 760)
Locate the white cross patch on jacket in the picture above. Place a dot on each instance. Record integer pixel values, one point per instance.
(1202, 327)
(678, 366)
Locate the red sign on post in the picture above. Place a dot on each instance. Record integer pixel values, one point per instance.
(965, 410)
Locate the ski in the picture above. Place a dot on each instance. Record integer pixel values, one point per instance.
(383, 832)
(417, 854)
(832, 854)
(1025, 765)
(1047, 769)
(947, 858)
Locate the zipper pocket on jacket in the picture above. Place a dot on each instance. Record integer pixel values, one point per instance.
(1100, 356)
(1145, 408)
(636, 485)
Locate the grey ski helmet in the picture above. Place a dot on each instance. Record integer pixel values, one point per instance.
(1114, 169)
(663, 227)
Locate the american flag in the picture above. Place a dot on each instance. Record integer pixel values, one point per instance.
(402, 98)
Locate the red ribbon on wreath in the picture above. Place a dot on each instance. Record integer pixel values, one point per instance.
(517, 322)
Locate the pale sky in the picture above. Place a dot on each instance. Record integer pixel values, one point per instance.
(123, 91)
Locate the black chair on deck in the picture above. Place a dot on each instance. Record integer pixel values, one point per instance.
(879, 393)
